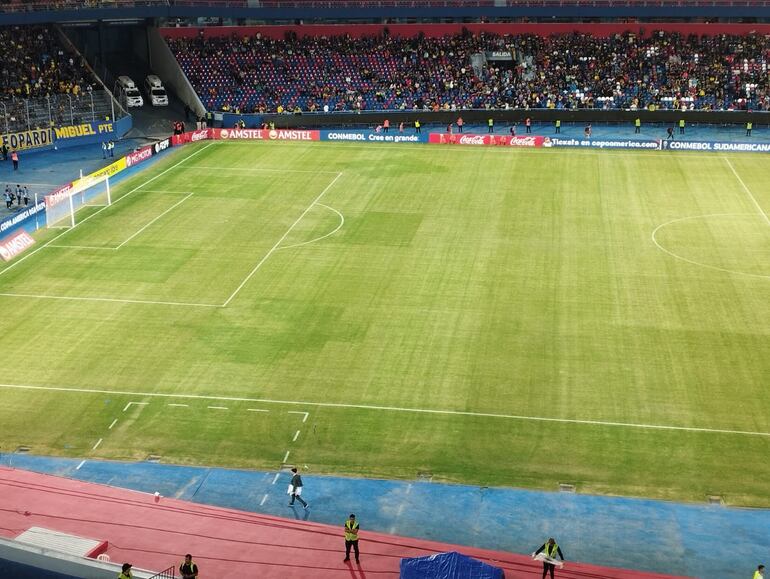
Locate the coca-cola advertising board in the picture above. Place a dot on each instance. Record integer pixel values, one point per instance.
(190, 137)
(488, 140)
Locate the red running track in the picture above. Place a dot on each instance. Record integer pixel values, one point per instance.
(226, 542)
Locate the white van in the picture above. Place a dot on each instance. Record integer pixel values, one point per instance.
(130, 92)
(155, 91)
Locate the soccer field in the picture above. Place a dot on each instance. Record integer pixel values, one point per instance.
(491, 316)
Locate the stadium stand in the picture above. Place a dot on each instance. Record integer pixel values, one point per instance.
(42, 84)
(662, 70)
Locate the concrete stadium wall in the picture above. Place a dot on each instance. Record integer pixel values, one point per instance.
(163, 62)
(433, 30)
(17, 558)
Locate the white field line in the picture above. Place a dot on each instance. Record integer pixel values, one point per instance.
(275, 478)
(280, 241)
(264, 498)
(286, 456)
(178, 405)
(748, 191)
(259, 170)
(332, 232)
(257, 410)
(296, 436)
(174, 206)
(391, 409)
(304, 417)
(135, 233)
(218, 408)
(98, 442)
(150, 180)
(82, 462)
(134, 403)
(111, 300)
(114, 422)
(690, 261)
(81, 247)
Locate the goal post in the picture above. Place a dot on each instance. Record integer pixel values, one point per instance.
(62, 206)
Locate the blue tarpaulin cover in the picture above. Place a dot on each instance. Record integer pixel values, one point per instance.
(448, 566)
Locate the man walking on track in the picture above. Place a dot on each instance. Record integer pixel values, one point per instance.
(351, 538)
(295, 489)
(550, 549)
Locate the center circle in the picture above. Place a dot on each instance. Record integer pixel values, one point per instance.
(737, 243)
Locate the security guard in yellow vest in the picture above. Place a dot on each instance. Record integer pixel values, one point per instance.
(351, 537)
(638, 125)
(760, 572)
(749, 126)
(681, 126)
(125, 572)
(417, 127)
(557, 123)
(188, 569)
(551, 550)
(491, 125)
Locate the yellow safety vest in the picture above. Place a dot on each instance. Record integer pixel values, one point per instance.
(551, 550)
(748, 126)
(558, 123)
(681, 123)
(351, 531)
(638, 122)
(490, 122)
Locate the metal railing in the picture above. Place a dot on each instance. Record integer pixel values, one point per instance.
(169, 573)
(20, 114)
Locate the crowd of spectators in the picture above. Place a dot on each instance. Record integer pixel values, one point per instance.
(34, 65)
(660, 70)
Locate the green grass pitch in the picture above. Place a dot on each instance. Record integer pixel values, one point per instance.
(554, 307)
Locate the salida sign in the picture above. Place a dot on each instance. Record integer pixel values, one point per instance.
(491, 140)
(267, 134)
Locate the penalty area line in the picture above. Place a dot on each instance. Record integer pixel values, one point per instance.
(390, 409)
(150, 180)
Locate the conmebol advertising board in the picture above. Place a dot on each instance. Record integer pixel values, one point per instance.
(372, 137)
(715, 146)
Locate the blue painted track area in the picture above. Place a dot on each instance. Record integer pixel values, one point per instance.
(711, 542)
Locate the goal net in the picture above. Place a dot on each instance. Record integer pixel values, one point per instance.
(62, 206)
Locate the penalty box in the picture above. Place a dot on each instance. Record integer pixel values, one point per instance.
(187, 231)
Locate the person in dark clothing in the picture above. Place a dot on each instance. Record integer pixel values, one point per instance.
(295, 489)
(5, 152)
(188, 569)
(351, 538)
(670, 134)
(551, 550)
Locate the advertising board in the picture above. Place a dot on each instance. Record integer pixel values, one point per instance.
(488, 140)
(266, 134)
(372, 137)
